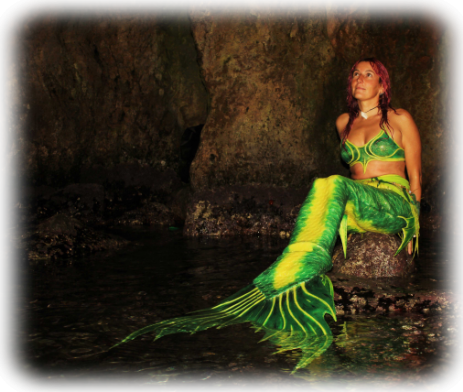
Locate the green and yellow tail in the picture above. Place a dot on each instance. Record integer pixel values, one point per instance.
(290, 299)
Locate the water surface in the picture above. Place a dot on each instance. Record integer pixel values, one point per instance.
(72, 311)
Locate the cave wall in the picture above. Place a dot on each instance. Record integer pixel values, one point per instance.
(119, 89)
(105, 90)
(273, 100)
(277, 83)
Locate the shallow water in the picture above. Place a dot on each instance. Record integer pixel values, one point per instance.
(72, 312)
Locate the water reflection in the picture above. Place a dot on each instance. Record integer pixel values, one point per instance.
(382, 347)
(72, 313)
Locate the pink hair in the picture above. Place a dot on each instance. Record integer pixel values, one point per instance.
(384, 98)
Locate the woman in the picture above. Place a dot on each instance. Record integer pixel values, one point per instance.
(290, 298)
(391, 151)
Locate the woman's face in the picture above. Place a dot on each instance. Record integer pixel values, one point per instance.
(365, 83)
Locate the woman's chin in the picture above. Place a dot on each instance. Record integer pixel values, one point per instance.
(361, 97)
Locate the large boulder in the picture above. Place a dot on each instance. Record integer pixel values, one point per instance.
(274, 85)
(371, 255)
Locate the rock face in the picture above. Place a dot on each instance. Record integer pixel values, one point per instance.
(277, 84)
(125, 195)
(101, 103)
(371, 255)
(69, 222)
(62, 236)
(354, 295)
(243, 210)
(104, 90)
(273, 101)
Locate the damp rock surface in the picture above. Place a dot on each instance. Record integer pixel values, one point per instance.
(72, 221)
(372, 255)
(354, 295)
(59, 237)
(151, 214)
(243, 210)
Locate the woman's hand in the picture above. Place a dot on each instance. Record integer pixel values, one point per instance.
(410, 247)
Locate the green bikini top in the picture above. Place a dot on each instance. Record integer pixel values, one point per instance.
(381, 148)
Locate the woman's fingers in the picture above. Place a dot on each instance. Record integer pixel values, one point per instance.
(410, 247)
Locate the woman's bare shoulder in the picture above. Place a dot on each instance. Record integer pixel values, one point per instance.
(342, 121)
(402, 118)
(400, 115)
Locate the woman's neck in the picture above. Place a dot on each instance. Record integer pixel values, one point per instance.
(366, 106)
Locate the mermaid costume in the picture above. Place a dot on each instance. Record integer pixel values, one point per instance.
(290, 299)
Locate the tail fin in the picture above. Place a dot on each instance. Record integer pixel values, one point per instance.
(300, 308)
(230, 311)
(410, 231)
(311, 346)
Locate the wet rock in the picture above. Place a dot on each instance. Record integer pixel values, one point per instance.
(180, 202)
(60, 224)
(138, 194)
(31, 203)
(354, 295)
(371, 255)
(63, 236)
(135, 206)
(151, 214)
(132, 194)
(87, 194)
(243, 210)
(84, 201)
(128, 195)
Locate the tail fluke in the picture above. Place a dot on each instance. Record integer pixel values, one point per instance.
(300, 309)
(409, 232)
(311, 346)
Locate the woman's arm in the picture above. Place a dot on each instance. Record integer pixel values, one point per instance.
(412, 145)
(341, 123)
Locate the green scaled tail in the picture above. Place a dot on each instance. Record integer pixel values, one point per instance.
(301, 308)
